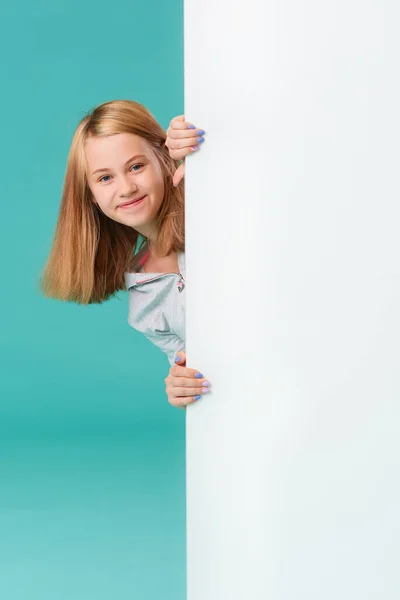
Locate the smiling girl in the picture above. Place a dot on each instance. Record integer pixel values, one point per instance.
(119, 187)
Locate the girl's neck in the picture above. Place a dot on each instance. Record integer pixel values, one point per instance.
(152, 246)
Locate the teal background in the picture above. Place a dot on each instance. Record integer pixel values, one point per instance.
(92, 456)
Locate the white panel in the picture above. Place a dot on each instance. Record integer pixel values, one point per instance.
(293, 269)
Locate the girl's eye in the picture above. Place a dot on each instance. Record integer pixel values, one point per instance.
(105, 180)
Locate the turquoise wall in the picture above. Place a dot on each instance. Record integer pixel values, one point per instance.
(92, 456)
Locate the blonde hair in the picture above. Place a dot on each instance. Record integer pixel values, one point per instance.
(90, 252)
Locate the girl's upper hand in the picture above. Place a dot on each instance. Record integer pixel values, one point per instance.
(183, 139)
(183, 387)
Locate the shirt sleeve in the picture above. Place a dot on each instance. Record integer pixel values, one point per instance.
(168, 342)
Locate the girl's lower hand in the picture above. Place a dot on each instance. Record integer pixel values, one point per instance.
(182, 139)
(183, 385)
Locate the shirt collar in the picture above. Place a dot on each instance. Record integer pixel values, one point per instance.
(135, 276)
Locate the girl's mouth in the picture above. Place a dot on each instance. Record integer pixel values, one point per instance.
(132, 203)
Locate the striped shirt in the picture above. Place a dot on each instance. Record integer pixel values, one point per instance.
(157, 304)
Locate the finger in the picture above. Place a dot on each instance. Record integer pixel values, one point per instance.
(180, 147)
(177, 403)
(181, 402)
(182, 154)
(179, 134)
(178, 175)
(179, 126)
(189, 391)
(180, 358)
(179, 123)
(179, 119)
(188, 382)
(177, 371)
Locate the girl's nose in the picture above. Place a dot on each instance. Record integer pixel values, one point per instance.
(127, 187)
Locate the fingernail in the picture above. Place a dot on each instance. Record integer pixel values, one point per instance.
(178, 358)
(195, 148)
(197, 397)
(206, 383)
(199, 375)
(191, 127)
(200, 140)
(205, 390)
(201, 132)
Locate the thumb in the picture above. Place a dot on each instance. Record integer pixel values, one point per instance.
(180, 358)
(179, 173)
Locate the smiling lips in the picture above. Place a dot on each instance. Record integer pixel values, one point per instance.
(131, 202)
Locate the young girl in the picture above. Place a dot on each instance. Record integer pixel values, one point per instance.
(121, 227)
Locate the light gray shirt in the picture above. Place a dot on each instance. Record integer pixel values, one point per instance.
(157, 304)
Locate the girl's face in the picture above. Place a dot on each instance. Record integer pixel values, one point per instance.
(120, 169)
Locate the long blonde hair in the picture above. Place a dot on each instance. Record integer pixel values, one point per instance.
(90, 252)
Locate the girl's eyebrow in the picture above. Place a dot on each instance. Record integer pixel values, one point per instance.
(128, 161)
